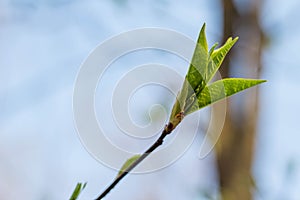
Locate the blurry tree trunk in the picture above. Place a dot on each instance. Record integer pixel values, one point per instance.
(235, 149)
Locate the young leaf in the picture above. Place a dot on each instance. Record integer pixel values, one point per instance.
(202, 38)
(224, 88)
(217, 56)
(197, 69)
(194, 79)
(78, 189)
(128, 163)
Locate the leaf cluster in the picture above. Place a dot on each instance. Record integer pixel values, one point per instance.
(197, 91)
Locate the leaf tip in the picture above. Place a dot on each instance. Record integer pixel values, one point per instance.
(235, 40)
(202, 31)
(262, 81)
(202, 38)
(203, 27)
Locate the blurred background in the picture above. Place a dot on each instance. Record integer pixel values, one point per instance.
(43, 43)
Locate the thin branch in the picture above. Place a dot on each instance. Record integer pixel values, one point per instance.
(167, 130)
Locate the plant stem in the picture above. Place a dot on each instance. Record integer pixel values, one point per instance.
(167, 130)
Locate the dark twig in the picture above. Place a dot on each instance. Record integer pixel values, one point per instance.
(168, 129)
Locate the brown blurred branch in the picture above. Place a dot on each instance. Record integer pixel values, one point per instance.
(235, 148)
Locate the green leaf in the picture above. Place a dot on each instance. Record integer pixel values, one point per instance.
(194, 79)
(217, 56)
(78, 189)
(128, 163)
(197, 69)
(202, 38)
(224, 88)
